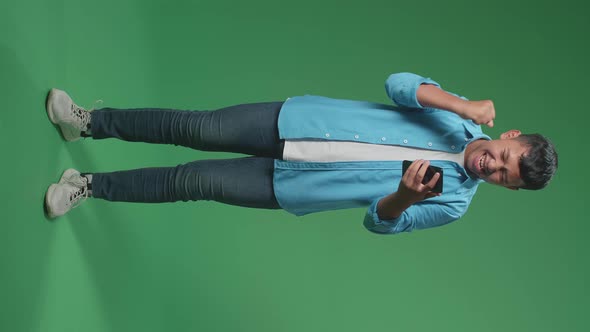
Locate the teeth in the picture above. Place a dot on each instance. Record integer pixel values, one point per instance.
(481, 162)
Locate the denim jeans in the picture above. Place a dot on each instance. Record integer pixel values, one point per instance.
(247, 129)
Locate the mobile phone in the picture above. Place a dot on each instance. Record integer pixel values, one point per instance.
(428, 175)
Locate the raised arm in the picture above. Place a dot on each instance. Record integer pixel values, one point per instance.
(480, 111)
(415, 91)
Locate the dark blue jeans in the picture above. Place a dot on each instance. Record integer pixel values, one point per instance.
(248, 129)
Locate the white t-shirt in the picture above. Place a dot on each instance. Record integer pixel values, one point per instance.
(331, 151)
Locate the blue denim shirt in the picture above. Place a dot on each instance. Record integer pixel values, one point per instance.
(306, 187)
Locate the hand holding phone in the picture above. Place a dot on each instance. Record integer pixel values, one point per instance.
(430, 171)
(416, 185)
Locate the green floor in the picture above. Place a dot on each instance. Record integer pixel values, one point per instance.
(517, 261)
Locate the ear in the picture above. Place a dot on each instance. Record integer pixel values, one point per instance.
(510, 134)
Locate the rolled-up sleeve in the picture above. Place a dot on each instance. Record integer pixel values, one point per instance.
(425, 214)
(402, 87)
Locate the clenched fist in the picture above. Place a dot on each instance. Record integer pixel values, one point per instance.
(480, 111)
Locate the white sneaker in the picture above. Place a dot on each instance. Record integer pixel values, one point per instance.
(70, 192)
(71, 118)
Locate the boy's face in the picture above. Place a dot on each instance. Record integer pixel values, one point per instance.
(497, 161)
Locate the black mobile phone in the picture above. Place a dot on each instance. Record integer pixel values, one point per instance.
(428, 175)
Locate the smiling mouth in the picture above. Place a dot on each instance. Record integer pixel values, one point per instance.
(480, 165)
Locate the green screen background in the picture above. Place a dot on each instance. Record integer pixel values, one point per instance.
(517, 261)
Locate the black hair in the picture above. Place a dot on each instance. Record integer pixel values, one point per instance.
(539, 164)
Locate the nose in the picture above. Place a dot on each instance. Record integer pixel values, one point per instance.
(494, 165)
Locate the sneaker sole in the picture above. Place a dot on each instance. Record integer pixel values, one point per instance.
(48, 105)
(49, 194)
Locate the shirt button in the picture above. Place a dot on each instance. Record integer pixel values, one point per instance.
(459, 174)
(429, 143)
(466, 139)
(383, 138)
(453, 147)
(327, 135)
(405, 141)
(356, 136)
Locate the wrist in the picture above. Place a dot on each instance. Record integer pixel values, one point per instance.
(403, 200)
(460, 107)
(392, 206)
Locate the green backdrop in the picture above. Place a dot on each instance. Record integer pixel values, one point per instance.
(517, 261)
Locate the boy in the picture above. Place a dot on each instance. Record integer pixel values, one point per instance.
(315, 153)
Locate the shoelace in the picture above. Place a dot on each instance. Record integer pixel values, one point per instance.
(82, 115)
(78, 197)
(81, 194)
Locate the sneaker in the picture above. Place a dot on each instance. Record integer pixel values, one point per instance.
(71, 118)
(70, 192)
